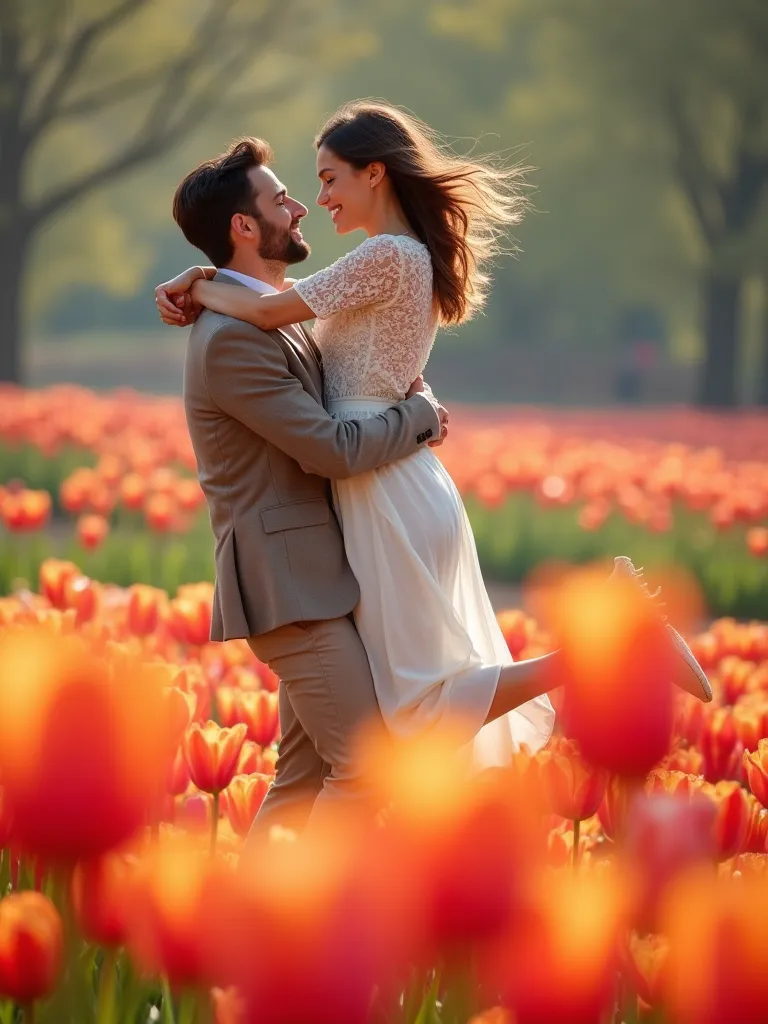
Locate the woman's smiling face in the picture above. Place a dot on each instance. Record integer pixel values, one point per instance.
(345, 191)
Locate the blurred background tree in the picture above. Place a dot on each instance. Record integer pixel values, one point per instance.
(645, 123)
(93, 90)
(677, 91)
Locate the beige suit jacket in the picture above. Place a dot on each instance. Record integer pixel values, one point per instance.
(266, 450)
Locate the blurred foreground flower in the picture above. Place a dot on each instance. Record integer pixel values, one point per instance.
(85, 744)
(615, 664)
(559, 961)
(31, 947)
(718, 957)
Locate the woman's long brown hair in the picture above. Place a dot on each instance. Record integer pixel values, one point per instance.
(460, 207)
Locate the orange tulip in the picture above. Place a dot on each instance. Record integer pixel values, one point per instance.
(757, 540)
(53, 580)
(132, 491)
(228, 1007)
(84, 744)
(26, 511)
(212, 753)
(613, 809)
(252, 761)
(75, 490)
(756, 768)
(190, 619)
(177, 781)
(100, 891)
(645, 960)
(81, 594)
(245, 795)
(31, 947)
(757, 833)
(574, 789)
(258, 710)
(227, 698)
(160, 513)
(733, 816)
(144, 606)
(496, 1015)
(720, 746)
(718, 950)
(92, 530)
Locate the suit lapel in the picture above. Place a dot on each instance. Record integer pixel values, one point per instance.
(299, 340)
(301, 346)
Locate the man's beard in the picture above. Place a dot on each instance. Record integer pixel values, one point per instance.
(278, 247)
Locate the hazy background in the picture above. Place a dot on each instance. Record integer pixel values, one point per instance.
(643, 274)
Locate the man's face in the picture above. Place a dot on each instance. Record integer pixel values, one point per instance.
(278, 217)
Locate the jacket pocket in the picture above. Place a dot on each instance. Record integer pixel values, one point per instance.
(294, 515)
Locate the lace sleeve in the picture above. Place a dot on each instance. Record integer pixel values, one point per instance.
(369, 274)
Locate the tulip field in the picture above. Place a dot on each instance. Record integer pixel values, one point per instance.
(618, 876)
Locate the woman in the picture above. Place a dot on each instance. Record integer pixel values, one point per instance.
(433, 223)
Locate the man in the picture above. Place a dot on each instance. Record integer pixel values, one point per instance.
(266, 451)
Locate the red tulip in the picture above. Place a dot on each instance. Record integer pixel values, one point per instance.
(54, 575)
(212, 754)
(756, 767)
(144, 606)
(26, 511)
(82, 594)
(757, 540)
(645, 960)
(31, 947)
(720, 746)
(733, 816)
(574, 789)
(245, 795)
(258, 710)
(92, 530)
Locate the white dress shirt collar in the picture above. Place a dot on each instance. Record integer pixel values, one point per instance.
(252, 282)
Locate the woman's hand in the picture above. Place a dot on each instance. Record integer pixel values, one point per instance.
(174, 299)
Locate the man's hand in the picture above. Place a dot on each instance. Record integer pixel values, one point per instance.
(420, 387)
(174, 300)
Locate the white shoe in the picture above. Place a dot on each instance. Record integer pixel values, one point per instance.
(695, 681)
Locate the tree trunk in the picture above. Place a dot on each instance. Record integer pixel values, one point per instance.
(722, 322)
(762, 384)
(14, 246)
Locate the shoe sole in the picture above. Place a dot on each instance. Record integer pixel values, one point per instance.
(699, 688)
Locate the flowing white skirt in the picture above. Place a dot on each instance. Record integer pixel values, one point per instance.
(424, 615)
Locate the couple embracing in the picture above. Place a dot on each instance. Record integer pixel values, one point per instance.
(343, 552)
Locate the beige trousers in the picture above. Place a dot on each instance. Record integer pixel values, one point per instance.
(325, 695)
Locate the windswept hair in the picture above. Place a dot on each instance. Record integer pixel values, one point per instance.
(460, 207)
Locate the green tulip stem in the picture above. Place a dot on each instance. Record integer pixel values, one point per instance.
(105, 1013)
(168, 1015)
(28, 1015)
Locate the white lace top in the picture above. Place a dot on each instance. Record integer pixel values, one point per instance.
(376, 321)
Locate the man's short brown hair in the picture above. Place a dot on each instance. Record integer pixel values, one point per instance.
(209, 196)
